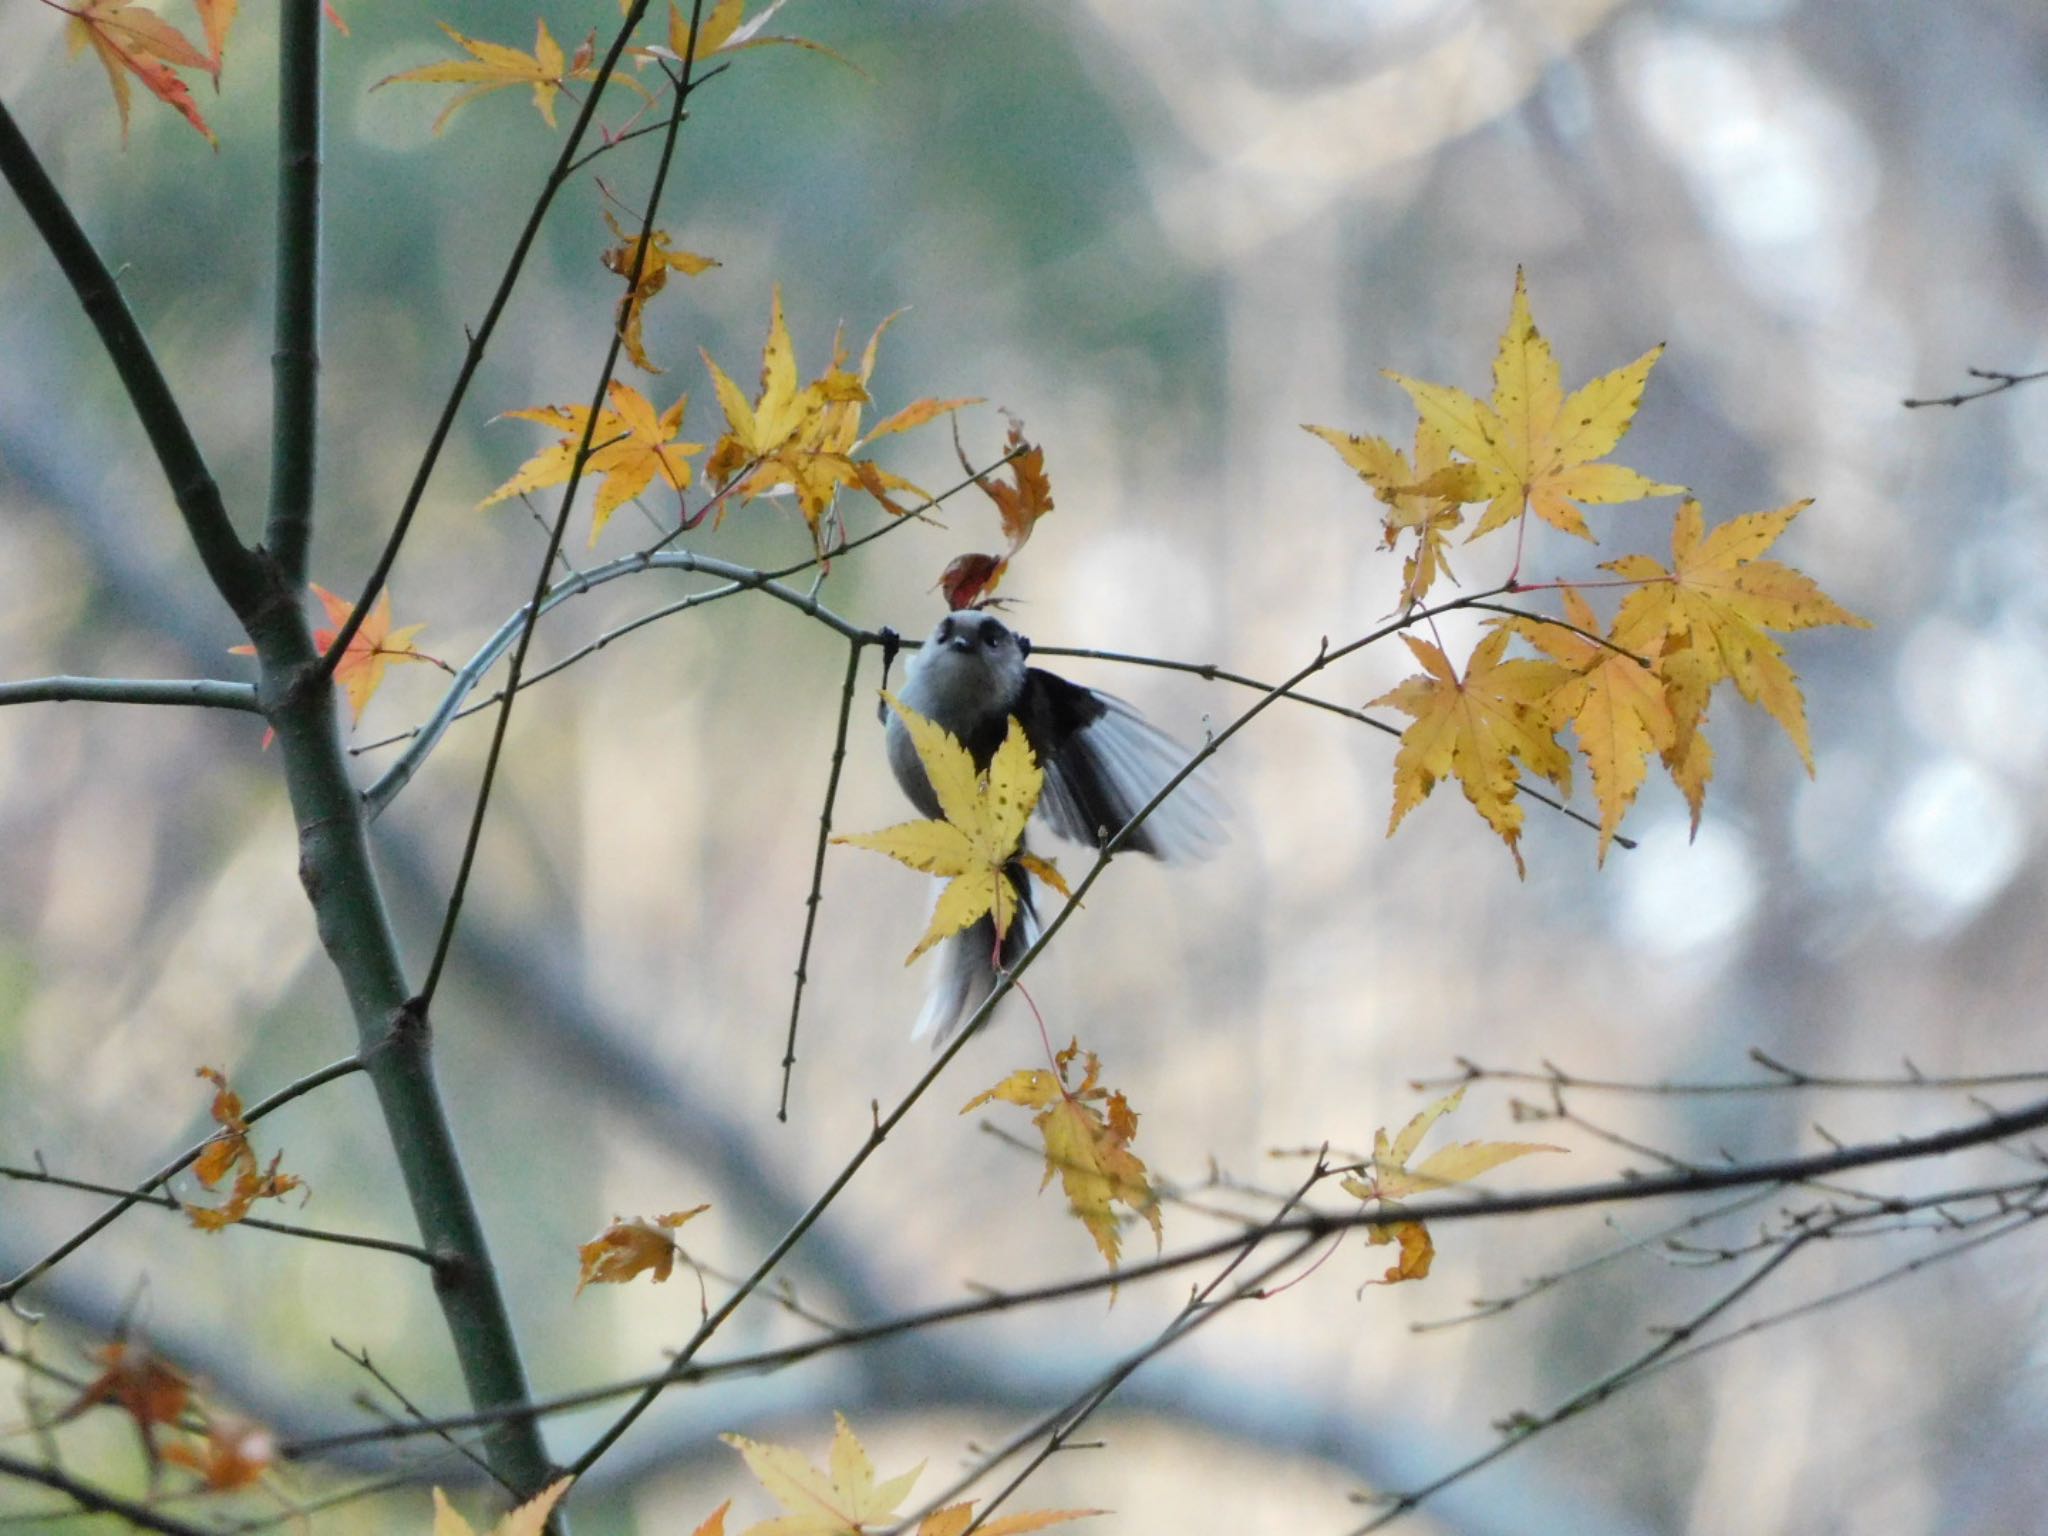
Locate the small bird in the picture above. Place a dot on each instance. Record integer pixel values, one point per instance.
(1102, 764)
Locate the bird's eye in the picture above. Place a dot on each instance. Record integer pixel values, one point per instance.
(992, 637)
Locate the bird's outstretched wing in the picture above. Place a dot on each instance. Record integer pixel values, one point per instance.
(1103, 762)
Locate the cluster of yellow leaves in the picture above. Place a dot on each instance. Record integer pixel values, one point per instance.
(844, 1498)
(631, 1246)
(972, 579)
(660, 259)
(231, 1453)
(1390, 1179)
(1088, 1130)
(799, 436)
(230, 1152)
(1636, 688)
(982, 833)
(804, 436)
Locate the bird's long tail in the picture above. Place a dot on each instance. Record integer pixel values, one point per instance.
(967, 963)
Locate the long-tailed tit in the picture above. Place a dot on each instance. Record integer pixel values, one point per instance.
(1102, 764)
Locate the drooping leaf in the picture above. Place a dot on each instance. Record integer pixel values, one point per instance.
(660, 260)
(231, 1152)
(1088, 1130)
(130, 39)
(633, 1246)
(1394, 1176)
(1423, 498)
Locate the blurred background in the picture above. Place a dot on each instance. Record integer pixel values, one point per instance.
(1166, 235)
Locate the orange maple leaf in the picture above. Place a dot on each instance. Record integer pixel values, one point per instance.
(130, 40)
(1088, 1130)
(1533, 446)
(138, 1382)
(633, 1246)
(1391, 1178)
(631, 447)
(231, 1152)
(1477, 727)
(234, 1454)
(374, 647)
(972, 579)
(661, 259)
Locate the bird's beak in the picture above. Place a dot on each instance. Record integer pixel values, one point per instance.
(961, 642)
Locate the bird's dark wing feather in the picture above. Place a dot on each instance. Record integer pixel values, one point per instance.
(1103, 762)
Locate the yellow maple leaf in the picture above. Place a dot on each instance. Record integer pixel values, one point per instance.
(529, 1519)
(1616, 703)
(1423, 498)
(1394, 1175)
(843, 1498)
(1705, 619)
(633, 1246)
(631, 449)
(838, 1500)
(495, 66)
(129, 39)
(1088, 1130)
(1477, 727)
(1533, 446)
(661, 258)
(981, 835)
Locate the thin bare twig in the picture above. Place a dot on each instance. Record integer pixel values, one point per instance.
(803, 954)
